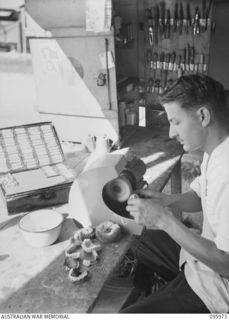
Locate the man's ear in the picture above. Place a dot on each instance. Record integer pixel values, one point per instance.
(204, 115)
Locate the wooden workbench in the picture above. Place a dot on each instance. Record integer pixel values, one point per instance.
(32, 280)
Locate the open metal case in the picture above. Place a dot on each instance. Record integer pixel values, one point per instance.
(33, 173)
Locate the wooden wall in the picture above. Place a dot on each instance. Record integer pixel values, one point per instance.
(219, 47)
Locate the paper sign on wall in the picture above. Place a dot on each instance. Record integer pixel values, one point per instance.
(60, 88)
(98, 15)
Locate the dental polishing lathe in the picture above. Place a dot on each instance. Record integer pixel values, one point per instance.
(117, 191)
(100, 193)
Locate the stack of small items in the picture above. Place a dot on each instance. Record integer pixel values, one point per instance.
(84, 247)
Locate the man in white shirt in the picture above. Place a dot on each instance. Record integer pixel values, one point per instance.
(195, 266)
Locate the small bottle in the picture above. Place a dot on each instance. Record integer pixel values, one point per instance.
(131, 116)
(90, 143)
(122, 113)
(102, 145)
(142, 116)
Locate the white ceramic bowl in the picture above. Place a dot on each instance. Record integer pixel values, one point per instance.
(41, 228)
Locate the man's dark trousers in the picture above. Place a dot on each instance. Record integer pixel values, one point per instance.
(157, 252)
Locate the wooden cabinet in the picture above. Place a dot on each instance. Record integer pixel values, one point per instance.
(171, 38)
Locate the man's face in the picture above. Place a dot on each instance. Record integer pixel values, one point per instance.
(186, 127)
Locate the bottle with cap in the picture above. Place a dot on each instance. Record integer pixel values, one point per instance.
(122, 113)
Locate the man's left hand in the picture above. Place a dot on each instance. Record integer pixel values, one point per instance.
(148, 212)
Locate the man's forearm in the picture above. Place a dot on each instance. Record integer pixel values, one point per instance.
(202, 249)
(188, 202)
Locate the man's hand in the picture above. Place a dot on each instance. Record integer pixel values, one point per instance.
(148, 212)
(162, 198)
(188, 201)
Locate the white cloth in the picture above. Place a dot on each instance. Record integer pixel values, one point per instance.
(212, 186)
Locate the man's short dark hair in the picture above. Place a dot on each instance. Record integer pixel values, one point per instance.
(194, 91)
